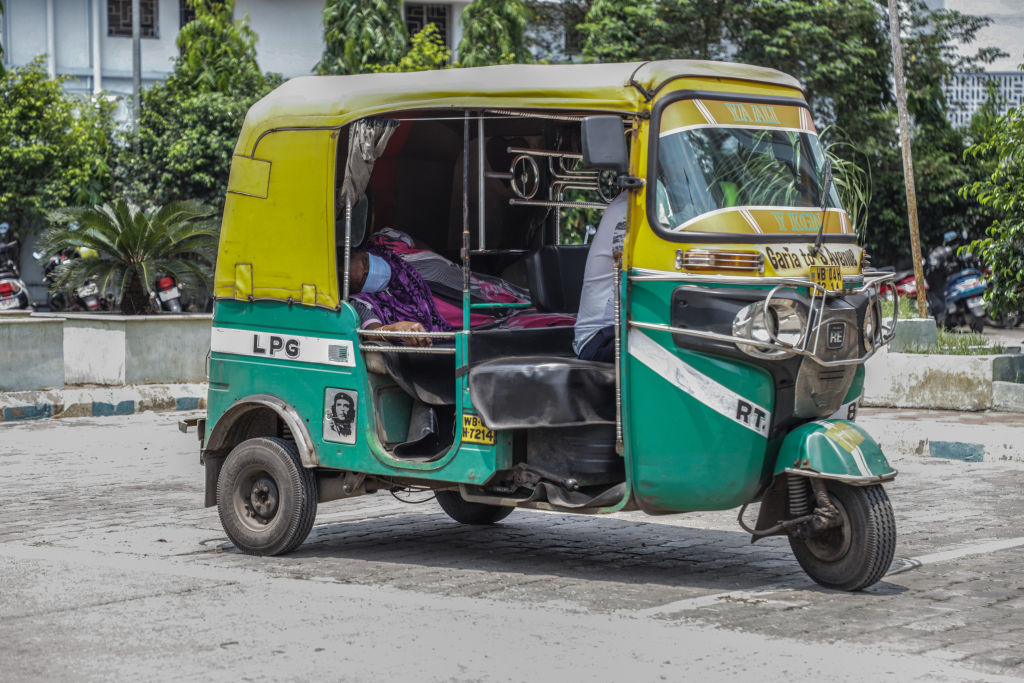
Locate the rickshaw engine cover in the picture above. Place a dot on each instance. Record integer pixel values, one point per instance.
(585, 454)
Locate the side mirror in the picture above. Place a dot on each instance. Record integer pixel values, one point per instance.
(604, 143)
(360, 223)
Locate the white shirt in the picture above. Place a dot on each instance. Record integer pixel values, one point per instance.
(597, 300)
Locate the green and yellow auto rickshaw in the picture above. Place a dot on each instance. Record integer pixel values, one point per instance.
(744, 309)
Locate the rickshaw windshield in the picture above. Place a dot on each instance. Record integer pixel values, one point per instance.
(706, 168)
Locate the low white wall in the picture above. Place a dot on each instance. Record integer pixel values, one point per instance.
(31, 353)
(166, 348)
(920, 380)
(144, 349)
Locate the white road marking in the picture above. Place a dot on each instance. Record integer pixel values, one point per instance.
(761, 593)
(956, 554)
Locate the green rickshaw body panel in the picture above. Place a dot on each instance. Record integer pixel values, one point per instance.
(838, 449)
(263, 366)
(697, 423)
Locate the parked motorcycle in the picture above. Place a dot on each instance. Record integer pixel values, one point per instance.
(87, 297)
(955, 288)
(13, 292)
(168, 294)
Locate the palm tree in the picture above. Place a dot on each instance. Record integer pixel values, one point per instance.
(134, 247)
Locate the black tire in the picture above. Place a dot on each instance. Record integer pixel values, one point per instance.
(265, 497)
(977, 324)
(859, 553)
(465, 512)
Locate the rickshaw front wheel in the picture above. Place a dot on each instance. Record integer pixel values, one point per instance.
(465, 512)
(265, 497)
(858, 553)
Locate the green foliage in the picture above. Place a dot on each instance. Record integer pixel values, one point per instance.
(188, 124)
(217, 54)
(553, 32)
(54, 147)
(1002, 193)
(493, 32)
(134, 247)
(658, 29)
(362, 34)
(428, 52)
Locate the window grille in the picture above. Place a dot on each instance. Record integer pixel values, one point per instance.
(119, 18)
(417, 16)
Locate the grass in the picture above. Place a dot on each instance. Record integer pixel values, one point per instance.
(956, 343)
(950, 342)
(908, 308)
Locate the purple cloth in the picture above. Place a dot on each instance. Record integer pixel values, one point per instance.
(406, 297)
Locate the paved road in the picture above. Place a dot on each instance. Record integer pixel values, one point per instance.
(110, 569)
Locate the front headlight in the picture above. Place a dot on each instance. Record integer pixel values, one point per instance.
(783, 322)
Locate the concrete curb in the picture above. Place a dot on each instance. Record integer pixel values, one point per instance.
(951, 435)
(100, 401)
(945, 382)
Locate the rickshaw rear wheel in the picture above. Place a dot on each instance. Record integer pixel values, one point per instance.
(465, 512)
(858, 553)
(265, 497)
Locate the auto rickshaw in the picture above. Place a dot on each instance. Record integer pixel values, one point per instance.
(744, 308)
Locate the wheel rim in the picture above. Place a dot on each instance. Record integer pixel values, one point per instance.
(833, 544)
(256, 499)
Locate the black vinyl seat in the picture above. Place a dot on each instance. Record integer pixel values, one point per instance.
(555, 276)
(543, 391)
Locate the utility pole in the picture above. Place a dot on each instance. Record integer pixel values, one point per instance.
(908, 160)
(136, 62)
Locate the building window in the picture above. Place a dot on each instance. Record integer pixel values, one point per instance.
(119, 18)
(418, 16)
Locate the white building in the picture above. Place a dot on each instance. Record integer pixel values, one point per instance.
(966, 92)
(90, 40)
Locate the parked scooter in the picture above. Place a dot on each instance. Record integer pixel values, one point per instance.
(956, 290)
(13, 292)
(168, 295)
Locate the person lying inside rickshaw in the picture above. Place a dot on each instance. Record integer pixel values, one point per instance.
(399, 284)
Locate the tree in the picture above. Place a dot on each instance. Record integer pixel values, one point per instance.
(493, 32)
(1001, 192)
(552, 28)
(659, 29)
(427, 53)
(55, 148)
(188, 125)
(362, 34)
(134, 247)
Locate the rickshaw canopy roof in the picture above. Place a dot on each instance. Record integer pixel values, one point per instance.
(623, 87)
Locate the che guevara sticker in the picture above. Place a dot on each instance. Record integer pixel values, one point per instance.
(340, 415)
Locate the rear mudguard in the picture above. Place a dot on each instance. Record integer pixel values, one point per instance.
(833, 449)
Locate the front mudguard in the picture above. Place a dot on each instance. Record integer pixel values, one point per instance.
(825, 449)
(833, 449)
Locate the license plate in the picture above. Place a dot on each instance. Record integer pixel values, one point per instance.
(12, 302)
(475, 431)
(168, 294)
(829, 277)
